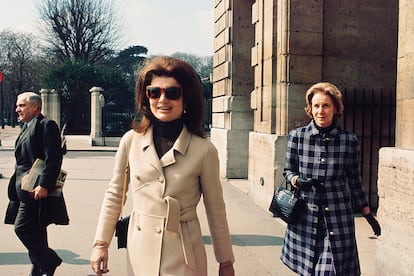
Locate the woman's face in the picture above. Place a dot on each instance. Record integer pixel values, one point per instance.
(323, 109)
(163, 108)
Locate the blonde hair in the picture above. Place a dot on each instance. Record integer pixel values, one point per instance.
(328, 89)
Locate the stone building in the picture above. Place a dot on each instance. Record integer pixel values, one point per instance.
(267, 53)
(396, 164)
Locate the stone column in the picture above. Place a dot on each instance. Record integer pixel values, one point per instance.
(395, 173)
(232, 118)
(97, 102)
(51, 106)
(287, 58)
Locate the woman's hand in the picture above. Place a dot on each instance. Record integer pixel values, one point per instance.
(374, 224)
(305, 184)
(293, 181)
(99, 258)
(366, 212)
(226, 269)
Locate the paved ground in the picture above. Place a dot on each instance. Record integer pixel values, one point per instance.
(257, 236)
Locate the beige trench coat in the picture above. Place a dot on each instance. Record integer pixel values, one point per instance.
(164, 236)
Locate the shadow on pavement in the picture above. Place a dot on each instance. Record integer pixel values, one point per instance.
(14, 258)
(22, 258)
(250, 240)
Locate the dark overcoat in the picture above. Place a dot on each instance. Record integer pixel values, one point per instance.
(40, 140)
(333, 159)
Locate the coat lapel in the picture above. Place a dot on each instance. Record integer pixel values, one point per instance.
(25, 134)
(22, 136)
(149, 151)
(180, 146)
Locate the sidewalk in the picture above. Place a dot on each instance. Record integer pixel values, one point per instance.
(9, 134)
(257, 236)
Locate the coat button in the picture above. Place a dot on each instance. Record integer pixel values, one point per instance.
(331, 233)
(137, 177)
(157, 230)
(323, 160)
(138, 228)
(161, 179)
(327, 209)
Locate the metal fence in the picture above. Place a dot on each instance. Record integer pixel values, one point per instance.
(370, 114)
(116, 123)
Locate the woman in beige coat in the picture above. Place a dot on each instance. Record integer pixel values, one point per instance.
(171, 166)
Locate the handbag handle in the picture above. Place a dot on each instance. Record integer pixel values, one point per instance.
(287, 183)
(126, 173)
(289, 186)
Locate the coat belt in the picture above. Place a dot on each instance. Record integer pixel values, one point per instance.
(176, 217)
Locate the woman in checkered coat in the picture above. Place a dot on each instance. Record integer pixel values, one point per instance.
(322, 161)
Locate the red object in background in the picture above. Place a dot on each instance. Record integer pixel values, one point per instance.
(1, 76)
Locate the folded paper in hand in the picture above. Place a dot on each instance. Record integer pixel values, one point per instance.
(30, 180)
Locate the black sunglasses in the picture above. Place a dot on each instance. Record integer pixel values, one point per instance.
(171, 93)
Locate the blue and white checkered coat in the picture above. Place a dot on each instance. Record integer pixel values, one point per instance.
(333, 159)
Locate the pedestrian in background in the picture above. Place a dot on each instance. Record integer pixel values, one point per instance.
(171, 167)
(322, 161)
(32, 211)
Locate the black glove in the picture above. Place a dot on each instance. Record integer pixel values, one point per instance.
(374, 224)
(305, 184)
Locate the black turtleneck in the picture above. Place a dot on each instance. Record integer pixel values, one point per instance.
(325, 130)
(165, 134)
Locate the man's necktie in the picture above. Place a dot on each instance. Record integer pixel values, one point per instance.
(21, 132)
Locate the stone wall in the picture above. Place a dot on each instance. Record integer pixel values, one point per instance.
(396, 212)
(262, 177)
(360, 43)
(232, 118)
(396, 165)
(291, 45)
(295, 44)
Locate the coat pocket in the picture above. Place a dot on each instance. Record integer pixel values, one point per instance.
(145, 240)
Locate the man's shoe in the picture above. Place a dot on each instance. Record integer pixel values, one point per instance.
(35, 271)
(49, 272)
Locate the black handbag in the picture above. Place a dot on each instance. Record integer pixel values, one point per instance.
(121, 229)
(287, 204)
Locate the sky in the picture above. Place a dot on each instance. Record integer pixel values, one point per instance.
(162, 26)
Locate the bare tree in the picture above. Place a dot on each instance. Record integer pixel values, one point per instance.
(202, 65)
(22, 60)
(22, 65)
(85, 30)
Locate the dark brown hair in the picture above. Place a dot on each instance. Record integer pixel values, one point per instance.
(328, 89)
(190, 84)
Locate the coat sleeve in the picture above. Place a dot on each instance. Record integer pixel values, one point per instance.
(291, 157)
(111, 204)
(215, 206)
(354, 176)
(52, 154)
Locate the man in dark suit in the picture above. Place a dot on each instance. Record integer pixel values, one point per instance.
(32, 211)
